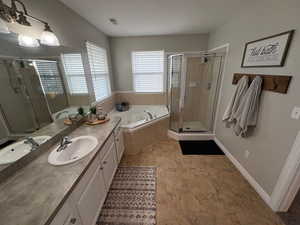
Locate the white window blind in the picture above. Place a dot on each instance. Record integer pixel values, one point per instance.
(49, 76)
(148, 71)
(99, 71)
(75, 73)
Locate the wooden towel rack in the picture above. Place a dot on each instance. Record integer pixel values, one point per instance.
(276, 83)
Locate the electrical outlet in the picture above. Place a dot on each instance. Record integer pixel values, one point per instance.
(295, 113)
(246, 154)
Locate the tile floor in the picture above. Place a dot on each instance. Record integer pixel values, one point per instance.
(200, 189)
(292, 217)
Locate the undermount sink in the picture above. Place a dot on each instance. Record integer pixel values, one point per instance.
(76, 150)
(17, 150)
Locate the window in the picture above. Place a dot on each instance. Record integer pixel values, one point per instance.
(148, 71)
(99, 71)
(75, 73)
(49, 76)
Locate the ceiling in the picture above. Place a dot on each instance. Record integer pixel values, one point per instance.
(156, 17)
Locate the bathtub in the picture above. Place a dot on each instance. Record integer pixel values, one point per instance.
(140, 116)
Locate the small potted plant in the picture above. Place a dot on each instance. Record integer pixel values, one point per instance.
(93, 114)
(80, 111)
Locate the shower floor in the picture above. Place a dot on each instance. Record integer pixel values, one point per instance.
(193, 126)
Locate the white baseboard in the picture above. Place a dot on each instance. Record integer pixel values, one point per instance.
(262, 193)
(190, 136)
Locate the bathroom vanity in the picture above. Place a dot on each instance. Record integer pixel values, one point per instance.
(42, 194)
(85, 201)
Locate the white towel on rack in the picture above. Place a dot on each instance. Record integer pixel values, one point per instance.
(246, 114)
(241, 88)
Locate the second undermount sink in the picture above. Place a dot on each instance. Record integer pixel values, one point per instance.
(77, 149)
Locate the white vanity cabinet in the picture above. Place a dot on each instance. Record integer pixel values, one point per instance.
(86, 200)
(119, 140)
(92, 199)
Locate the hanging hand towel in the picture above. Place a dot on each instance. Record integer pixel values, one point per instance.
(234, 103)
(246, 114)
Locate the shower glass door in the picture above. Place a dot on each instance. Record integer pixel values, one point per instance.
(202, 74)
(193, 91)
(175, 77)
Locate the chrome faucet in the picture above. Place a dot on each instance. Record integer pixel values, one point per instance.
(32, 142)
(149, 114)
(64, 143)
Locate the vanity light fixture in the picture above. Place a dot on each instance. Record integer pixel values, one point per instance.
(48, 37)
(23, 20)
(11, 14)
(26, 41)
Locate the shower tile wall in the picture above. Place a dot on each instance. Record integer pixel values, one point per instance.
(142, 99)
(20, 120)
(201, 84)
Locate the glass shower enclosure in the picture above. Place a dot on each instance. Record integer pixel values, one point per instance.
(31, 90)
(193, 87)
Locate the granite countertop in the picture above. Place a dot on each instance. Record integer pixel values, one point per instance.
(37, 191)
(51, 129)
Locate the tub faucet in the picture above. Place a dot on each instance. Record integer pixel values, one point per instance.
(149, 114)
(64, 143)
(32, 142)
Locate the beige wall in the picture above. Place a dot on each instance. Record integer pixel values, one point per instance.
(274, 135)
(121, 48)
(77, 100)
(108, 104)
(141, 99)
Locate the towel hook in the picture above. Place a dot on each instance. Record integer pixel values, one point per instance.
(275, 85)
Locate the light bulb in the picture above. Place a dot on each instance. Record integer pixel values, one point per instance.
(49, 38)
(3, 27)
(27, 41)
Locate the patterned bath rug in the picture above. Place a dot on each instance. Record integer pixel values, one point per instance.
(131, 199)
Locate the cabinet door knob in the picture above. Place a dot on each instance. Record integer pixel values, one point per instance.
(101, 168)
(117, 139)
(73, 220)
(104, 162)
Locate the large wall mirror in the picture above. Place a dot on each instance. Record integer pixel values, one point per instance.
(38, 87)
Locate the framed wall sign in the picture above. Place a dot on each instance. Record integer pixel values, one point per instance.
(267, 52)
